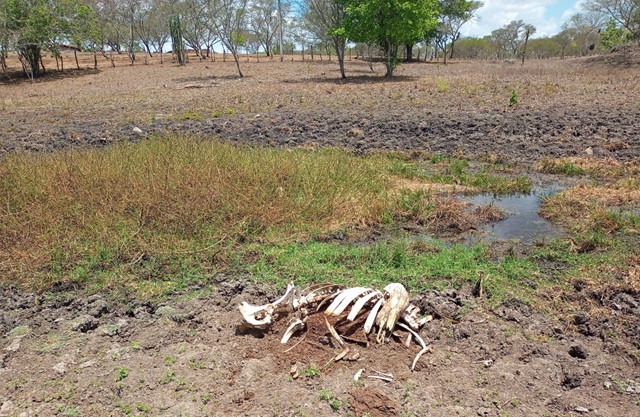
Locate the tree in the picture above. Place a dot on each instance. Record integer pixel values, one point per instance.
(177, 39)
(195, 24)
(228, 18)
(513, 36)
(624, 12)
(389, 24)
(324, 19)
(544, 48)
(456, 13)
(264, 23)
(29, 26)
(474, 48)
(564, 39)
(612, 35)
(585, 27)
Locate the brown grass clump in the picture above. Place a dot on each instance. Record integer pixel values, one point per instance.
(102, 208)
(590, 206)
(606, 167)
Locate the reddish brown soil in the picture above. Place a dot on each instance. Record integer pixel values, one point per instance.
(187, 357)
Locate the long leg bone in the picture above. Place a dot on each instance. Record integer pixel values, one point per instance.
(424, 346)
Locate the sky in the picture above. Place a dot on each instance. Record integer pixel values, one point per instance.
(546, 15)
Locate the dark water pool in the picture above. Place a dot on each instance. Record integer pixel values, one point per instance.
(523, 224)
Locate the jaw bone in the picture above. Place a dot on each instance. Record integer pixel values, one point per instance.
(261, 317)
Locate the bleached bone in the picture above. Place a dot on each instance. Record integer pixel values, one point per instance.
(371, 318)
(360, 303)
(260, 317)
(396, 302)
(342, 300)
(386, 310)
(356, 377)
(424, 346)
(295, 325)
(411, 317)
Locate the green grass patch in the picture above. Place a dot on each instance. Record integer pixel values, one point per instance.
(446, 170)
(415, 263)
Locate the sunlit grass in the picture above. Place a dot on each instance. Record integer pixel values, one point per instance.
(90, 211)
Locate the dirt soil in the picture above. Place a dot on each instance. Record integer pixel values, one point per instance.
(69, 355)
(563, 107)
(187, 357)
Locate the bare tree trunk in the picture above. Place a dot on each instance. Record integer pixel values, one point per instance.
(75, 54)
(280, 40)
(524, 52)
(237, 59)
(340, 47)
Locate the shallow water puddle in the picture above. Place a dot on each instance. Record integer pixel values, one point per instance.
(523, 223)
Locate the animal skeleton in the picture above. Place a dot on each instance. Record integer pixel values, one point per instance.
(387, 310)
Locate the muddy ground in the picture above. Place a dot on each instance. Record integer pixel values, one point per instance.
(75, 355)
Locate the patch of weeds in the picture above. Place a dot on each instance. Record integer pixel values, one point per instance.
(180, 382)
(457, 172)
(334, 402)
(311, 371)
(145, 408)
(16, 384)
(20, 331)
(169, 377)
(195, 363)
(442, 85)
(560, 167)
(169, 360)
(395, 260)
(69, 411)
(619, 384)
(205, 398)
(124, 408)
(513, 98)
(54, 343)
(191, 115)
(122, 373)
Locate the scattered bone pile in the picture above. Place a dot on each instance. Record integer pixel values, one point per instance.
(386, 311)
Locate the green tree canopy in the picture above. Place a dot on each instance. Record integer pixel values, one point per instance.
(29, 26)
(389, 24)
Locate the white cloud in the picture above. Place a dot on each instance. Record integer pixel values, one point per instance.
(546, 15)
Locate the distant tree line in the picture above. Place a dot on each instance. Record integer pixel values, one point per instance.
(390, 29)
(600, 26)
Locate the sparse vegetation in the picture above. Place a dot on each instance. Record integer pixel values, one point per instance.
(171, 232)
(311, 371)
